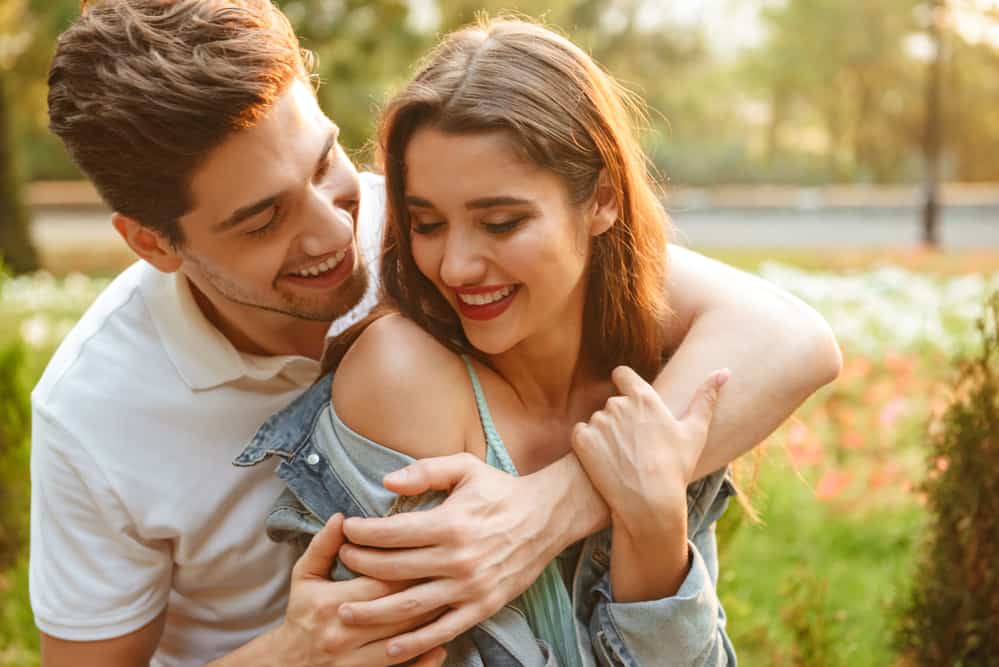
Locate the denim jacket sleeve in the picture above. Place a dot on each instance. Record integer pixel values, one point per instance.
(684, 630)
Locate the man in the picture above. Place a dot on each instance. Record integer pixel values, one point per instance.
(195, 121)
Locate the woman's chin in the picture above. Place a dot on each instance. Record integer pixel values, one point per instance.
(489, 345)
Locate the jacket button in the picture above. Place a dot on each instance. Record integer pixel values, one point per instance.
(312, 459)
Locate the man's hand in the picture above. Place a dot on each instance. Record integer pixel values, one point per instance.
(313, 635)
(480, 549)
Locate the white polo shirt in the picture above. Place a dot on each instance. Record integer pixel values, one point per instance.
(135, 504)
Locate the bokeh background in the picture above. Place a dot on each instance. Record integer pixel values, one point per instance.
(845, 150)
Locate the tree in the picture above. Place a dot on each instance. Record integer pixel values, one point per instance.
(16, 249)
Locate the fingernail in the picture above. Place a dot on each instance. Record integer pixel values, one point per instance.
(721, 377)
(394, 650)
(346, 613)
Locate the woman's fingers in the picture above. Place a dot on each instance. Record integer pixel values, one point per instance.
(702, 406)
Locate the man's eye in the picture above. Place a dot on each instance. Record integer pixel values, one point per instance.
(267, 227)
(324, 166)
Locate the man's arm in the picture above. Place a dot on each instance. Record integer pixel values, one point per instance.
(778, 348)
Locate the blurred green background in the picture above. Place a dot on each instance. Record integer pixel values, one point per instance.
(788, 107)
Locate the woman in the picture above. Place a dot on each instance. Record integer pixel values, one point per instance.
(525, 251)
(525, 254)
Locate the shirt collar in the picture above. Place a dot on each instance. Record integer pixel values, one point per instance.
(202, 355)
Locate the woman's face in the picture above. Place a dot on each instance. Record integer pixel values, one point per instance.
(496, 235)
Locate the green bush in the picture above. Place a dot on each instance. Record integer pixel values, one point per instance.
(952, 615)
(14, 452)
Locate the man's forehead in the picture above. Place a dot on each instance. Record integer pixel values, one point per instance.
(263, 160)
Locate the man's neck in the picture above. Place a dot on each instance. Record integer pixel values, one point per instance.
(270, 334)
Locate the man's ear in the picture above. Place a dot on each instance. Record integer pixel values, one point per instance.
(148, 244)
(604, 207)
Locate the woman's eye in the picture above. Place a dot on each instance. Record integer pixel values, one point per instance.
(425, 227)
(504, 226)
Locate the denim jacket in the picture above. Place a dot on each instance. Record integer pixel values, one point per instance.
(329, 468)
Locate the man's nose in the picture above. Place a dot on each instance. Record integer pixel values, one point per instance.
(331, 220)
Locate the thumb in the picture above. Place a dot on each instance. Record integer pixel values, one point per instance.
(442, 473)
(317, 561)
(702, 406)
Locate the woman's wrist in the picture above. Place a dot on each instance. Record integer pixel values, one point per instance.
(651, 563)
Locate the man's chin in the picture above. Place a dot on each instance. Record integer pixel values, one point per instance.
(330, 306)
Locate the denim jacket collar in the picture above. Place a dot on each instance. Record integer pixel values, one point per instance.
(285, 433)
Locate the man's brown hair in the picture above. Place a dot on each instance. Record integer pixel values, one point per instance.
(140, 91)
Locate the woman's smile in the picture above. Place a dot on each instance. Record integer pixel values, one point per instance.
(485, 303)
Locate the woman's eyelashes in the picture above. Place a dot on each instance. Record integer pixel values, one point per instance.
(497, 227)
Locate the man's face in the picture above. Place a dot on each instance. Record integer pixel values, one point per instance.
(272, 228)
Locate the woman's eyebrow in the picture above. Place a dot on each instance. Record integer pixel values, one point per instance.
(483, 202)
(490, 202)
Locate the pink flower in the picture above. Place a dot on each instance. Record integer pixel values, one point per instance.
(832, 484)
(891, 412)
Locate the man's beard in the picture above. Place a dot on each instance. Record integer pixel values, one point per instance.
(326, 306)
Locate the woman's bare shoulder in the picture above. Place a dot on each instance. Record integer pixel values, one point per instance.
(398, 386)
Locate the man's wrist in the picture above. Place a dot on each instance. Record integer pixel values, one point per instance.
(576, 510)
(269, 649)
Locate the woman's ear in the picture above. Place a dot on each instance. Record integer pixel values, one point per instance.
(605, 208)
(148, 244)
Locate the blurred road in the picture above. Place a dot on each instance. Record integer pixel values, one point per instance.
(963, 227)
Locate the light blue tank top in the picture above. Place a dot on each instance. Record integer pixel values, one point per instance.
(546, 603)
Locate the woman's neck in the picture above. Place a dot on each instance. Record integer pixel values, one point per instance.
(548, 370)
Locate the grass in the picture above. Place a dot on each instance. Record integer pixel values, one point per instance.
(814, 580)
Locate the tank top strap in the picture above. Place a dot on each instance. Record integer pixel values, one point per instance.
(496, 454)
(546, 603)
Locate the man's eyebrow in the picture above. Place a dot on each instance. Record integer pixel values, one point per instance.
(243, 213)
(246, 212)
(485, 202)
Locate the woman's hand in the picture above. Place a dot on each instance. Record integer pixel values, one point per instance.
(641, 459)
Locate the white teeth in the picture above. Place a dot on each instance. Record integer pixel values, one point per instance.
(323, 266)
(487, 298)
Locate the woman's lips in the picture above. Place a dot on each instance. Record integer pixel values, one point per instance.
(487, 311)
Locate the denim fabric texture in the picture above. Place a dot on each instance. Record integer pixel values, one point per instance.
(329, 468)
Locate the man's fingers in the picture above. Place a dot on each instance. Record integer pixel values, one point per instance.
(317, 561)
(396, 565)
(702, 406)
(435, 658)
(372, 644)
(364, 589)
(416, 600)
(442, 473)
(399, 531)
(438, 633)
